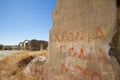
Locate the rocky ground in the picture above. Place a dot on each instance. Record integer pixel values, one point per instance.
(23, 66)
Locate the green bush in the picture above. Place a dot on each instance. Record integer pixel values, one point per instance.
(1, 46)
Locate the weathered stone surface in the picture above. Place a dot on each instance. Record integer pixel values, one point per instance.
(79, 40)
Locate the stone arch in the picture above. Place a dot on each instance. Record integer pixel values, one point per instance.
(26, 44)
(20, 46)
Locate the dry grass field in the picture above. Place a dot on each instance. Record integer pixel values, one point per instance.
(23, 66)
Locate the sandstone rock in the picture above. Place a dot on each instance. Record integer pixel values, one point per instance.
(79, 40)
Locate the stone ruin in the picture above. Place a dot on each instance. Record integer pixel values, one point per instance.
(33, 45)
(79, 41)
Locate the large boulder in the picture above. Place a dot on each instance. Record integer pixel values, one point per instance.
(79, 40)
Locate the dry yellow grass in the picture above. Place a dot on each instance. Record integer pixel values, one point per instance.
(8, 64)
(14, 58)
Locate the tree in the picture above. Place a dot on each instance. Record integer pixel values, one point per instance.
(1, 46)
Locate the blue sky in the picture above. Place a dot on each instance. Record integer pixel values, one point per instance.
(25, 19)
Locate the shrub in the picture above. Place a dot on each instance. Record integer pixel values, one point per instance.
(1, 46)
